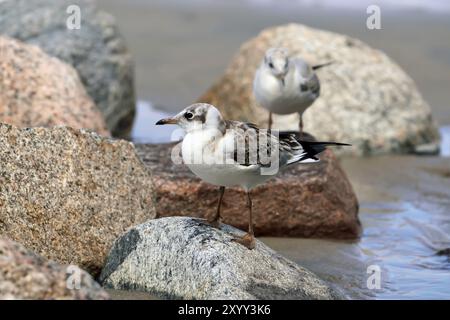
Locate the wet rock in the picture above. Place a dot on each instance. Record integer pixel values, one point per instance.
(307, 200)
(67, 194)
(182, 257)
(38, 90)
(366, 99)
(26, 275)
(96, 50)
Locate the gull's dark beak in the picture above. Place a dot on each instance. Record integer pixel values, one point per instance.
(281, 78)
(166, 121)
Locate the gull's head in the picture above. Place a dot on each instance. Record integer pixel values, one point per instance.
(277, 61)
(196, 117)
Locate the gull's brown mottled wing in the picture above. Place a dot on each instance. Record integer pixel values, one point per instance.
(311, 82)
(255, 146)
(252, 145)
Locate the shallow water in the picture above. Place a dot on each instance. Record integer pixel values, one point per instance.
(398, 237)
(405, 213)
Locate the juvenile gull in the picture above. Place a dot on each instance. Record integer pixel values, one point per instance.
(285, 85)
(232, 153)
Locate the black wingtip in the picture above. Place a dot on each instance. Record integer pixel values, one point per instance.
(313, 148)
(338, 144)
(325, 143)
(318, 66)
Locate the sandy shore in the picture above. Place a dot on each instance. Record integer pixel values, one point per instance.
(180, 50)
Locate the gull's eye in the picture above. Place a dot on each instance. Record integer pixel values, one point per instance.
(189, 115)
(271, 65)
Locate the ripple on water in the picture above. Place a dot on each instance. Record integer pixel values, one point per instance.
(406, 246)
(393, 240)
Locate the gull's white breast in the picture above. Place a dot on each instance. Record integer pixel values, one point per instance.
(278, 98)
(210, 157)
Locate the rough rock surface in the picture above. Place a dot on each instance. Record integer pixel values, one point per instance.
(309, 200)
(366, 99)
(26, 275)
(38, 90)
(96, 50)
(181, 257)
(67, 194)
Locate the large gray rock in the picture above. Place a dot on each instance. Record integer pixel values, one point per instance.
(68, 194)
(26, 275)
(181, 257)
(366, 98)
(97, 51)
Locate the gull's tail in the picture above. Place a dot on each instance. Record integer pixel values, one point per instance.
(313, 148)
(301, 150)
(318, 66)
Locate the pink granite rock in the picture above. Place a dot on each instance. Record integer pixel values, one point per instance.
(37, 90)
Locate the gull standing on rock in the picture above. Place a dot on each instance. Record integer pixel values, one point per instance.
(232, 153)
(285, 85)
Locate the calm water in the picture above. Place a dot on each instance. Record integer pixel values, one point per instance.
(405, 212)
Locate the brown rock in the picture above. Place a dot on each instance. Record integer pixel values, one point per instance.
(366, 98)
(310, 200)
(37, 90)
(26, 275)
(67, 194)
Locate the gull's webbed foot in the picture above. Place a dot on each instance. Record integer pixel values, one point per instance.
(248, 240)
